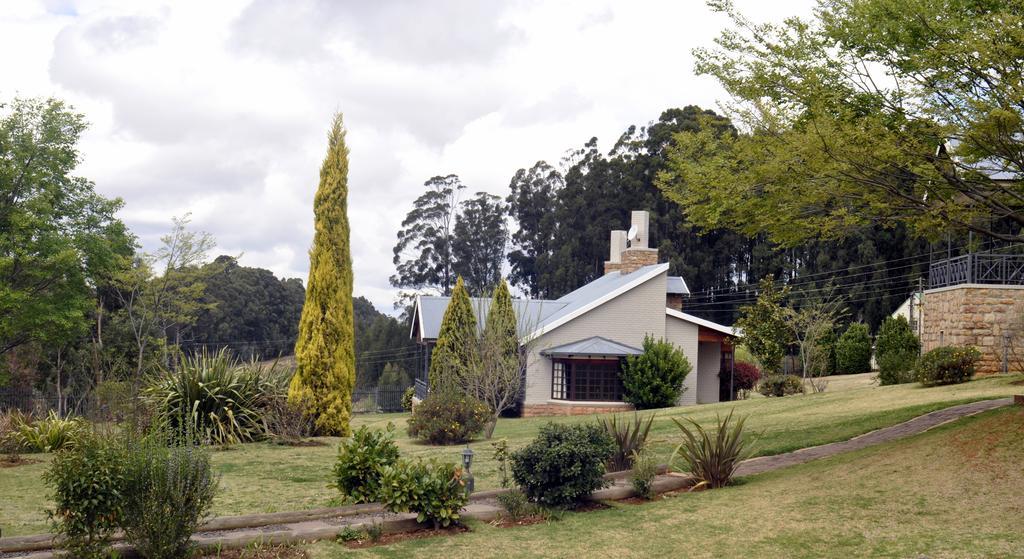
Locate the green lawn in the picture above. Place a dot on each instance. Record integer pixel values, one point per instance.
(267, 478)
(955, 491)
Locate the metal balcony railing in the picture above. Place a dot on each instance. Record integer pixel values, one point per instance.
(992, 269)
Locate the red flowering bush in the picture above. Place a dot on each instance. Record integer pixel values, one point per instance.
(745, 376)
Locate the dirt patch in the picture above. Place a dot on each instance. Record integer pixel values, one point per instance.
(386, 539)
(259, 552)
(1018, 382)
(638, 500)
(506, 522)
(7, 463)
(590, 506)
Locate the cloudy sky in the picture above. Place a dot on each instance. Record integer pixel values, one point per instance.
(220, 108)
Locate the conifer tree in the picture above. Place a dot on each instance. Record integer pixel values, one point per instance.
(498, 378)
(455, 354)
(325, 352)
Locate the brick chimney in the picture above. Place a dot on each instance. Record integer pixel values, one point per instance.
(629, 258)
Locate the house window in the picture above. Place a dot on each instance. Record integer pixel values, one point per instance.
(591, 380)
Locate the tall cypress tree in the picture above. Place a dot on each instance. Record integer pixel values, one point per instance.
(455, 354)
(325, 350)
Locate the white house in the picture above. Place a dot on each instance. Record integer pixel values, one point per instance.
(577, 343)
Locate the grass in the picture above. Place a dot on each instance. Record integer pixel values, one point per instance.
(954, 491)
(263, 477)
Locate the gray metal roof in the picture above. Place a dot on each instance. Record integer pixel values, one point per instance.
(677, 286)
(535, 315)
(592, 347)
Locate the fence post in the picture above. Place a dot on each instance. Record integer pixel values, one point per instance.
(970, 267)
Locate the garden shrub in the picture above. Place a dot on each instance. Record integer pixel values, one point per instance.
(88, 482)
(780, 385)
(630, 437)
(50, 434)
(853, 350)
(564, 464)
(947, 365)
(407, 397)
(744, 376)
(516, 504)
(712, 457)
(361, 462)
(113, 400)
(287, 423)
(447, 417)
(433, 490)
(224, 399)
(10, 448)
(896, 351)
(644, 471)
(168, 493)
(654, 379)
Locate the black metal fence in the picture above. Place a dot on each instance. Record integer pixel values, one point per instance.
(993, 269)
(382, 399)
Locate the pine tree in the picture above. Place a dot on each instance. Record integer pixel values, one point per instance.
(455, 354)
(324, 352)
(498, 377)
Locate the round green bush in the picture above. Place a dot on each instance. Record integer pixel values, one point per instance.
(564, 464)
(654, 379)
(947, 365)
(781, 385)
(434, 490)
(853, 350)
(896, 351)
(447, 417)
(407, 397)
(361, 461)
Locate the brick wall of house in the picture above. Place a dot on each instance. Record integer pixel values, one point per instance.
(976, 315)
(674, 301)
(540, 410)
(632, 260)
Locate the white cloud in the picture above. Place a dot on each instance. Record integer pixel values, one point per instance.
(220, 108)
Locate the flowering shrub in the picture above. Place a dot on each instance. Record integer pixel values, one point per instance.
(947, 365)
(745, 376)
(446, 417)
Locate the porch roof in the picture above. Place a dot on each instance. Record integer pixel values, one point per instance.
(595, 346)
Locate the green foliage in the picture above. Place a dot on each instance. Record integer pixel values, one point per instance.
(712, 457)
(564, 464)
(503, 456)
(377, 334)
(630, 437)
(325, 352)
(533, 203)
(516, 504)
(394, 376)
(853, 350)
(478, 244)
(780, 385)
(223, 399)
(766, 331)
(60, 239)
(10, 448)
(88, 483)
(848, 113)
(654, 379)
(350, 534)
(168, 493)
(645, 469)
(423, 255)
(433, 490)
(497, 379)
(49, 434)
(947, 365)
(361, 462)
(447, 417)
(454, 356)
(896, 351)
(407, 397)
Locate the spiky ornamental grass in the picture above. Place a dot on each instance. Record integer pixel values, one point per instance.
(712, 456)
(224, 400)
(630, 439)
(325, 350)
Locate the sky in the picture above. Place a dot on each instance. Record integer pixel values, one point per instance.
(220, 109)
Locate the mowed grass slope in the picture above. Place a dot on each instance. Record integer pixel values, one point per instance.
(952, 492)
(263, 477)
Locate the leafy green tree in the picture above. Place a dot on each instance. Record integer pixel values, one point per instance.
(810, 324)
(533, 203)
(896, 351)
(478, 246)
(875, 112)
(654, 379)
(455, 355)
(394, 376)
(765, 326)
(324, 353)
(58, 238)
(423, 255)
(853, 350)
(380, 340)
(498, 377)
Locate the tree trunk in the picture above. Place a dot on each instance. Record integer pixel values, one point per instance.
(489, 426)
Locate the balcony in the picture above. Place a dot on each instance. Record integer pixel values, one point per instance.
(989, 269)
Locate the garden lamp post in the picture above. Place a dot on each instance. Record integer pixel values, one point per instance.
(467, 463)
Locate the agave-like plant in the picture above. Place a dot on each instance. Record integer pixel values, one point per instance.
(218, 398)
(49, 434)
(630, 438)
(712, 457)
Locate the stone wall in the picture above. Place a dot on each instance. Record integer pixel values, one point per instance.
(632, 260)
(979, 316)
(570, 408)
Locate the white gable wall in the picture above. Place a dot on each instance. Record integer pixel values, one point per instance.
(624, 319)
(683, 335)
(709, 356)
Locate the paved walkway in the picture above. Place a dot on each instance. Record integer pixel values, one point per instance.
(914, 426)
(487, 508)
